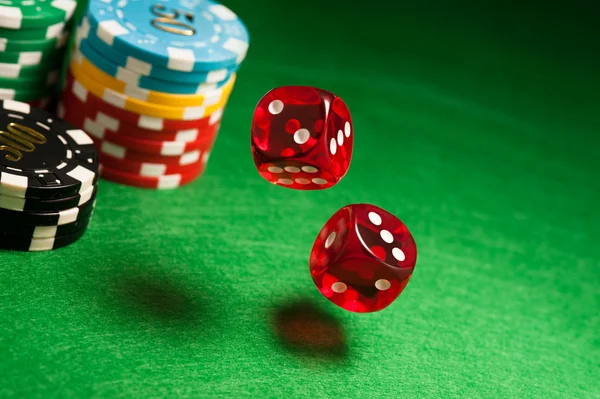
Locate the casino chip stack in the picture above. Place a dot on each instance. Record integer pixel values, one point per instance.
(33, 38)
(48, 175)
(149, 81)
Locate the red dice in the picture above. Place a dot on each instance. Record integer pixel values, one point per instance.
(302, 137)
(363, 258)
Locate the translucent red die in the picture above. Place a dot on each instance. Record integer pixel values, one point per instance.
(363, 258)
(302, 137)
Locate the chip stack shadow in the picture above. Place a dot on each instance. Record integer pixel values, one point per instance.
(48, 179)
(149, 83)
(33, 42)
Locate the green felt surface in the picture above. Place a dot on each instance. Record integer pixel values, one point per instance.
(477, 126)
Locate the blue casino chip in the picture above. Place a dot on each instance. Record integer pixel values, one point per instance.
(179, 35)
(87, 35)
(145, 82)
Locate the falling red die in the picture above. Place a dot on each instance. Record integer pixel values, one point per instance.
(363, 258)
(302, 137)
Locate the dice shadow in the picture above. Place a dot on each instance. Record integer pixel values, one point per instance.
(303, 328)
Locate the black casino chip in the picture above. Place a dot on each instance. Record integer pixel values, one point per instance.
(40, 244)
(34, 205)
(41, 156)
(30, 232)
(56, 218)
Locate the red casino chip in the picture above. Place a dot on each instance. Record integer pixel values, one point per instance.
(160, 182)
(150, 169)
(163, 148)
(116, 151)
(205, 139)
(76, 108)
(96, 105)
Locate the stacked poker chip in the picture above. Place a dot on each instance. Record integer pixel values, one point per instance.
(149, 82)
(33, 40)
(48, 176)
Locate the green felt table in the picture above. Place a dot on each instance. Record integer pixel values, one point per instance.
(475, 125)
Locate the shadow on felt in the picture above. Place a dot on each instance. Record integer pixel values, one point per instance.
(303, 328)
(156, 300)
(157, 304)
